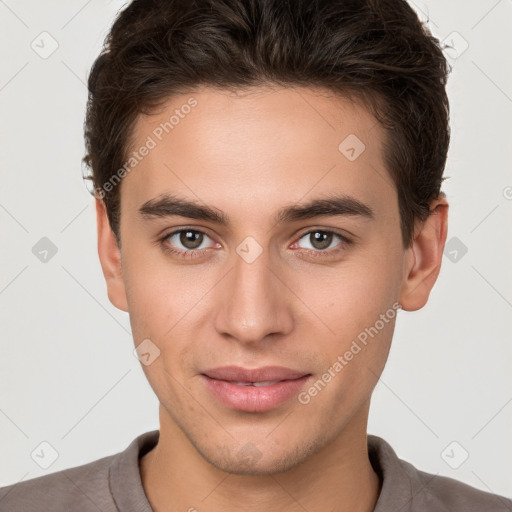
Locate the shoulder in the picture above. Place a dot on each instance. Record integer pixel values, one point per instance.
(108, 484)
(404, 487)
(441, 493)
(82, 488)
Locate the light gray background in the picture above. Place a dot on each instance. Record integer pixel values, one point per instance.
(68, 374)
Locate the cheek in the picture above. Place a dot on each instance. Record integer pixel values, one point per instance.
(166, 304)
(355, 357)
(154, 301)
(159, 310)
(352, 296)
(356, 307)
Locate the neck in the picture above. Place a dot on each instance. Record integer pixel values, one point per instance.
(176, 477)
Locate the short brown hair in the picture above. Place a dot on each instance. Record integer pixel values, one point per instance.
(376, 50)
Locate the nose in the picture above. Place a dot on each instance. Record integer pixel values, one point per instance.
(254, 301)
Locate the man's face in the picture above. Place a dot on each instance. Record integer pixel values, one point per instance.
(258, 290)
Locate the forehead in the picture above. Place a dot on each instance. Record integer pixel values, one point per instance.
(258, 147)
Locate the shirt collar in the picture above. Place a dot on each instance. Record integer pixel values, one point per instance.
(396, 476)
(124, 474)
(396, 486)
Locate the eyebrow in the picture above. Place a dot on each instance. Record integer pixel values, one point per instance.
(168, 205)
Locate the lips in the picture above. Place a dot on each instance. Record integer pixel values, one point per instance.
(236, 374)
(257, 390)
(262, 383)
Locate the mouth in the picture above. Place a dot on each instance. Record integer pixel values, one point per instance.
(254, 390)
(257, 384)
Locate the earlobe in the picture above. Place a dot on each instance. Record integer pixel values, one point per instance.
(426, 253)
(110, 259)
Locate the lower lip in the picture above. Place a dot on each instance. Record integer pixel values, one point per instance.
(254, 398)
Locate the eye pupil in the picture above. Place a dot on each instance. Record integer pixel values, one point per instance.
(321, 239)
(191, 239)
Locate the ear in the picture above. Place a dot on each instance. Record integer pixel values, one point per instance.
(110, 258)
(425, 256)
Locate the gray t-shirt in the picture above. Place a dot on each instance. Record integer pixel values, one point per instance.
(113, 484)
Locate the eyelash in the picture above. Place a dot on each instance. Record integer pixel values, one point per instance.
(196, 253)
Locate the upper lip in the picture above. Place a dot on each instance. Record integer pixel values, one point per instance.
(263, 374)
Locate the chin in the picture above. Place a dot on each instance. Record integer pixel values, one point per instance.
(250, 460)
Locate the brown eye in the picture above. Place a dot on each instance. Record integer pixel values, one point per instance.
(323, 243)
(191, 239)
(186, 241)
(320, 239)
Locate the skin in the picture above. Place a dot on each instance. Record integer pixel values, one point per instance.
(248, 154)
